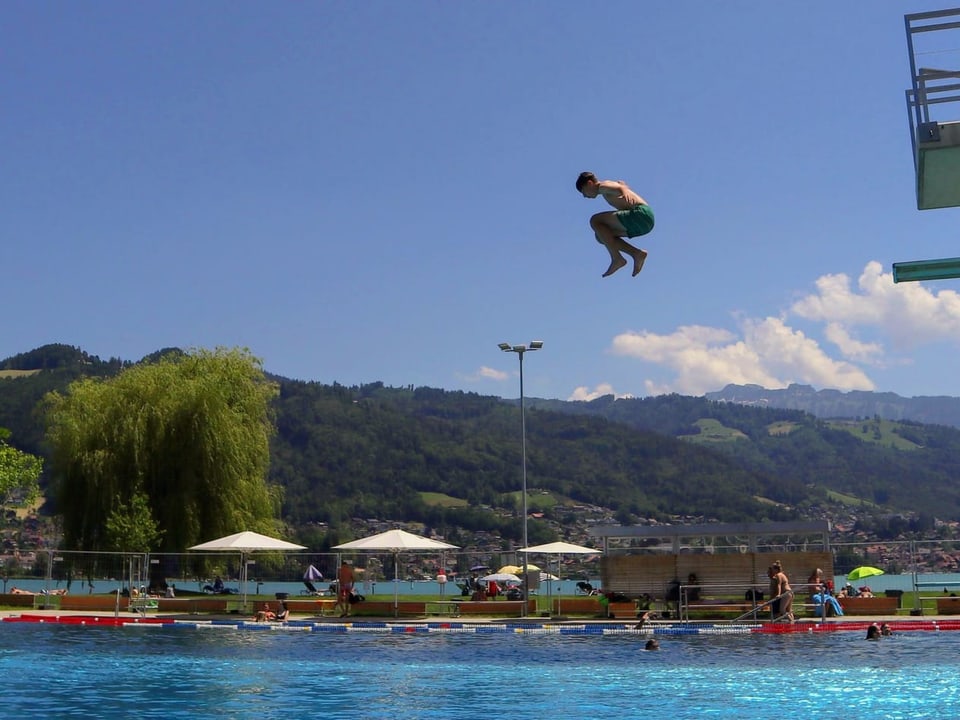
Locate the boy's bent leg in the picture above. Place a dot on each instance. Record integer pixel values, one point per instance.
(639, 256)
(616, 262)
(636, 221)
(617, 248)
(606, 229)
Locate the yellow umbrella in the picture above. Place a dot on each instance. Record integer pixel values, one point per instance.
(517, 569)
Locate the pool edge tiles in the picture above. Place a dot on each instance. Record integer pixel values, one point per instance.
(484, 628)
(92, 620)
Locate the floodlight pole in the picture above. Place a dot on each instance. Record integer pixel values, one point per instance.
(520, 350)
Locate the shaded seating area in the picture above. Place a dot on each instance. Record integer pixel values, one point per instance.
(711, 571)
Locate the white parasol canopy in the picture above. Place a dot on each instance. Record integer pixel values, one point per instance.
(395, 541)
(245, 542)
(559, 549)
(501, 577)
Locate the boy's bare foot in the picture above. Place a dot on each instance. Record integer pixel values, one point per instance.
(639, 258)
(614, 266)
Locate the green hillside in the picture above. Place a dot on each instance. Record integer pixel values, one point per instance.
(881, 432)
(452, 459)
(893, 466)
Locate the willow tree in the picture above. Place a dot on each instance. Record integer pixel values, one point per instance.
(19, 472)
(190, 433)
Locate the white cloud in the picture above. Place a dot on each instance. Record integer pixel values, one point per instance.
(769, 353)
(703, 358)
(851, 347)
(585, 393)
(910, 314)
(487, 373)
(855, 323)
(653, 388)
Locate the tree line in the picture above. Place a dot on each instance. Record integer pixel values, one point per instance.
(314, 457)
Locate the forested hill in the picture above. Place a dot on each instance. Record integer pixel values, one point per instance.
(897, 466)
(441, 457)
(453, 458)
(346, 451)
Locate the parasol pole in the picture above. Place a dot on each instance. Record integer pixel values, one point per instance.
(396, 582)
(559, 590)
(243, 581)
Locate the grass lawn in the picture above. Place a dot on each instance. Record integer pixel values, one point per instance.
(713, 431)
(876, 431)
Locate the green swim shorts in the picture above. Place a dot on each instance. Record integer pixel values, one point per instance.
(637, 221)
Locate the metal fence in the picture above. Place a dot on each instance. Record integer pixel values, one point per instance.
(923, 561)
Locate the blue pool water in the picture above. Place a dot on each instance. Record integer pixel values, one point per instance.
(167, 672)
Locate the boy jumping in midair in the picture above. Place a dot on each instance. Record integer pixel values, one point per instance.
(632, 218)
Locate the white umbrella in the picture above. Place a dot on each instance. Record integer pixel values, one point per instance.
(395, 541)
(559, 549)
(501, 577)
(246, 542)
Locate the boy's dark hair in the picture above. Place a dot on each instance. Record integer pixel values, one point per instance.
(583, 179)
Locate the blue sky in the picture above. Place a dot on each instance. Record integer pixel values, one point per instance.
(383, 191)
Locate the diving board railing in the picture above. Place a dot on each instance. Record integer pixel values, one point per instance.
(935, 142)
(724, 597)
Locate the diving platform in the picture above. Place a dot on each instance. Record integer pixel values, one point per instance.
(935, 36)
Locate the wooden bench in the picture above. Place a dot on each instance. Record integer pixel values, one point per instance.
(495, 607)
(869, 606)
(577, 606)
(385, 608)
(311, 607)
(17, 599)
(442, 607)
(193, 605)
(948, 606)
(622, 609)
(718, 608)
(102, 603)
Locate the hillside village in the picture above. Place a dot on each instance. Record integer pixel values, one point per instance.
(24, 534)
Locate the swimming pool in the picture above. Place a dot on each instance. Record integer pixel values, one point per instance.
(162, 671)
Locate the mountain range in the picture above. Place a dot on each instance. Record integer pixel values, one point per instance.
(932, 410)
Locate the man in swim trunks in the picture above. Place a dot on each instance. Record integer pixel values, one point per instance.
(344, 588)
(780, 587)
(632, 218)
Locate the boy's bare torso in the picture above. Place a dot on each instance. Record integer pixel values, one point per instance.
(619, 195)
